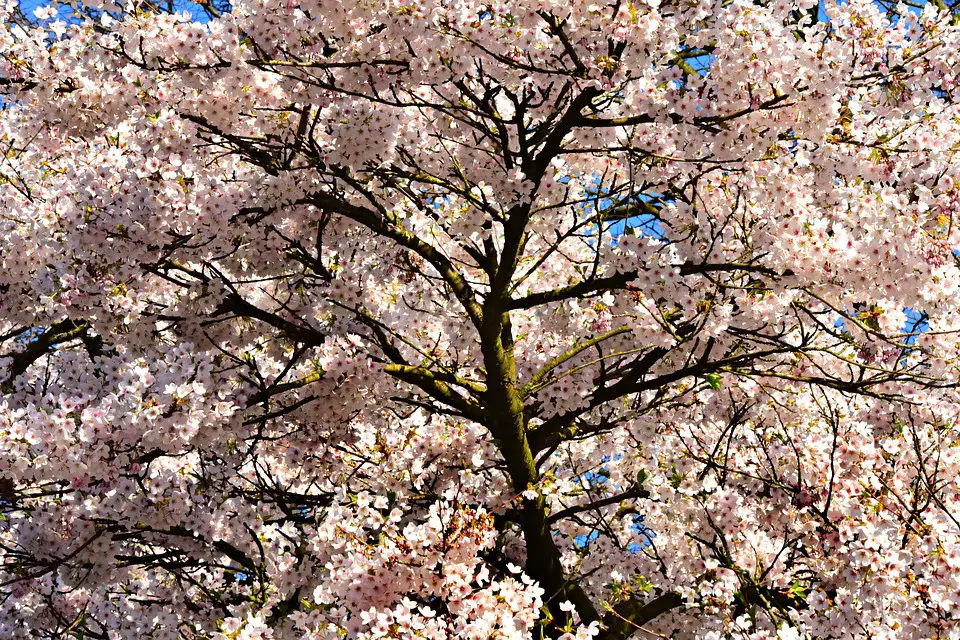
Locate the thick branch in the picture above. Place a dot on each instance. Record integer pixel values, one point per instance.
(594, 286)
(539, 376)
(626, 618)
(436, 384)
(378, 224)
(233, 303)
(631, 494)
(61, 332)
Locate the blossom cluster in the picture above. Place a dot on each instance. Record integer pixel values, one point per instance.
(510, 319)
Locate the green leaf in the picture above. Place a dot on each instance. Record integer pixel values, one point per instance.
(797, 591)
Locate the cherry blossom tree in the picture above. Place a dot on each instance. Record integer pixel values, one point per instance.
(501, 319)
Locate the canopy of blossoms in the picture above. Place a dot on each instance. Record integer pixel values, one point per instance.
(479, 319)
